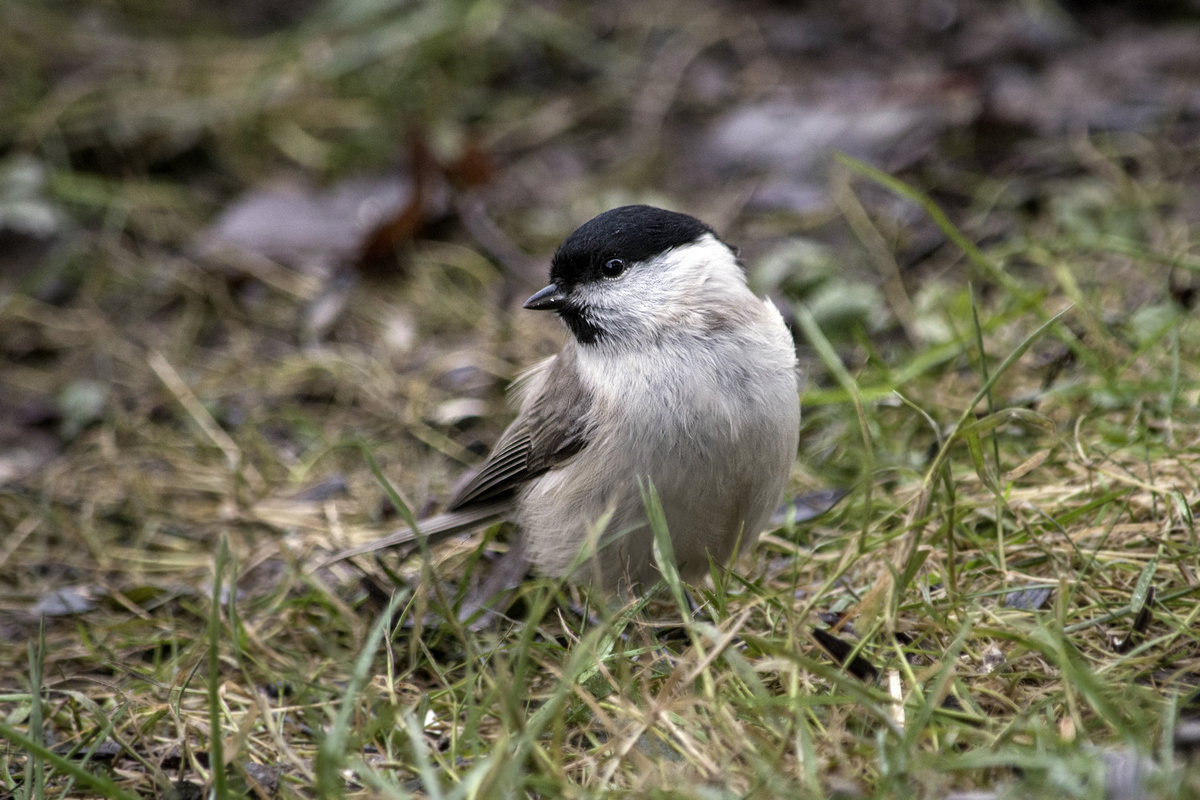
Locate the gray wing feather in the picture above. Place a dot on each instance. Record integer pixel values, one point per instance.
(552, 427)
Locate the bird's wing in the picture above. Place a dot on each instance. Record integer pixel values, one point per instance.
(553, 425)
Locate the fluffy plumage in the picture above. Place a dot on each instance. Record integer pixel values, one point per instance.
(675, 375)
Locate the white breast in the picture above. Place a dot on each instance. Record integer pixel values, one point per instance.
(713, 423)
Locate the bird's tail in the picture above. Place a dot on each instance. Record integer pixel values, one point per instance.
(432, 529)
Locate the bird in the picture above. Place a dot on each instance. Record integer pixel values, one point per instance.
(674, 378)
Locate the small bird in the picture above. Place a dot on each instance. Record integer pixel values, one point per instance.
(675, 376)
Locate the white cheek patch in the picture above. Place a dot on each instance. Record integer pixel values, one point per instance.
(657, 294)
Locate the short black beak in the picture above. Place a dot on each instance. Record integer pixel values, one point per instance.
(549, 299)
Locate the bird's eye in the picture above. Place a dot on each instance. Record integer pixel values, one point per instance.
(613, 267)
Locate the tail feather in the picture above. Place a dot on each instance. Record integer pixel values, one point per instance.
(432, 529)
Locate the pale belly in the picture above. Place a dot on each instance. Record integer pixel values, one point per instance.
(718, 471)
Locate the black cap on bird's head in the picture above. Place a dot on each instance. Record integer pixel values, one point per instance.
(604, 247)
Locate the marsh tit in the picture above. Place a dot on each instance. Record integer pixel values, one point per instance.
(675, 376)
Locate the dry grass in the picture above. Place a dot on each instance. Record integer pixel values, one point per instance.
(164, 626)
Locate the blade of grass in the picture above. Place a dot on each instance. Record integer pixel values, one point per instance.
(420, 753)
(969, 248)
(35, 768)
(331, 752)
(829, 357)
(422, 542)
(931, 699)
(991, 407)
(968, 411)
(664, 549)
(216, 745)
